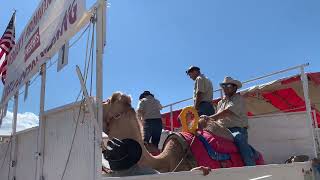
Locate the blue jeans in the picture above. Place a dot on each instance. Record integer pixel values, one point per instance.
(152, 130)
(240, 136)
(205, 108)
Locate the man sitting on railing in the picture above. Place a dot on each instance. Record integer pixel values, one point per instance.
(231, 114)
(202, 92)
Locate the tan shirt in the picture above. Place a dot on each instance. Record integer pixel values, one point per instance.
(203, 84)
(150, 108)
(235, 104)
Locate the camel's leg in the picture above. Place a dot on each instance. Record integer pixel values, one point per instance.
(218, 130)
(152, 149)
(173, 152)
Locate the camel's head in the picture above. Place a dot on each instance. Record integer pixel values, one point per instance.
(119, 118)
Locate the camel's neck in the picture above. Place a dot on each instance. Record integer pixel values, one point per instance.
(159, 162)
(133, 130)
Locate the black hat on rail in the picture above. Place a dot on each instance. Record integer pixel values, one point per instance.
(122, 154)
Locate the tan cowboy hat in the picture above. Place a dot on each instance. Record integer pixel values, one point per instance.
(229, 80)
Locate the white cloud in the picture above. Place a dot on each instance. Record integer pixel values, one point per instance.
(25, 120)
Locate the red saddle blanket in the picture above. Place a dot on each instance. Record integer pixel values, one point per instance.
(220, 145)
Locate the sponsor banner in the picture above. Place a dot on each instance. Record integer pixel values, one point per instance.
(52, 25)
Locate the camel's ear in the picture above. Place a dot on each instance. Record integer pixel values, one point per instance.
(106, 101)
(125, 99)
(115, 97)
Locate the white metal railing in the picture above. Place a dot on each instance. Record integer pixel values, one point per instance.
(181, 101)
(301, 67)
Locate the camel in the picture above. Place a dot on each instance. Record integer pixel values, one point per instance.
(120, 121)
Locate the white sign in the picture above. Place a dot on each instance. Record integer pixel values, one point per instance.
(53, 23)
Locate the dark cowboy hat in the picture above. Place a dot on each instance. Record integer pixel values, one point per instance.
(122, 154)
(192, 68)
(144, 94)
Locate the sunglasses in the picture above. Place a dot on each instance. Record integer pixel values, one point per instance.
(227, 85)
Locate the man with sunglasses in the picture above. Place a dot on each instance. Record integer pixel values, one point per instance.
(202, 93)
(231, 114)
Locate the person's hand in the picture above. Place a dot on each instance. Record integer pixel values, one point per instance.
(106, 170)
(103, 146)
(205, 170)
(202, 123)
(204, 117)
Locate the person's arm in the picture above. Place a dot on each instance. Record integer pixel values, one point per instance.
(204, 119)
(198, 99)
(140, 114)
(233, 109)
(199, 89)
(140, 111)
(160, 106)
(221, 114)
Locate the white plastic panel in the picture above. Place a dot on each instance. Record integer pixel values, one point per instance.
(295, 171)
(4, 160)
(26, 159)
(280, 136)
(60, 127)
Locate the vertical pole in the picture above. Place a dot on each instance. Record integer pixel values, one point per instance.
(171, 118)
(316, 129)
(14, 149)
(99, 89)
(305, 87)
(42, 123)
(221, 93)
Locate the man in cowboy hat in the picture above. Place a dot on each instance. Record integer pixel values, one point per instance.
(231, 114)
(202, 92)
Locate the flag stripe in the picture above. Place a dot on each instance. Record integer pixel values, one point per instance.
(4, 47)
(7, 41)
(2, 55)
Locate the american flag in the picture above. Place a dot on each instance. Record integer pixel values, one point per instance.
(7, 41)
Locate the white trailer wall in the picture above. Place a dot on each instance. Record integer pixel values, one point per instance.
(60, 126)
(4, 160)
(297, 171)
(279, 136)
(26, 155)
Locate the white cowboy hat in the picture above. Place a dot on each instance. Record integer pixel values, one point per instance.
(229, 80)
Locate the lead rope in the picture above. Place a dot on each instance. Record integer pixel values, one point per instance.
(185, 154)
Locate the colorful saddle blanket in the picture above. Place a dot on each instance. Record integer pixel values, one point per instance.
(215, 152)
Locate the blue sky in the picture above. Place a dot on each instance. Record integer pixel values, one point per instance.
(151, 44)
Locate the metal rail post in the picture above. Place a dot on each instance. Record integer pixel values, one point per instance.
(305, 87)
(14, 149)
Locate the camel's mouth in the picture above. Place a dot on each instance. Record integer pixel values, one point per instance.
(106, 128)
